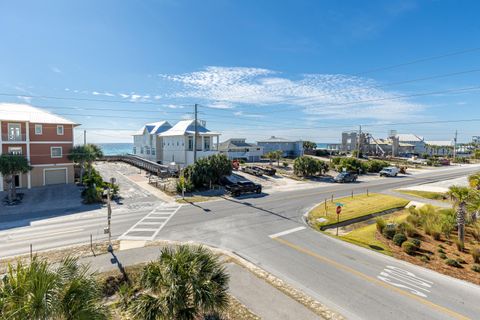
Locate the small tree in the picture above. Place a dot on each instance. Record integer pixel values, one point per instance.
(309, 145)
(474, 181)
(308, 166)
(460, 196)
(11, 165)
(85, 156)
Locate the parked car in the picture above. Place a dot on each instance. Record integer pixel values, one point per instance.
(389, 172)
(241, 187)
(346, 177)
(256, 171)
(269, 171)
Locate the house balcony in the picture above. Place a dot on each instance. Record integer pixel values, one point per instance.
(13, 138)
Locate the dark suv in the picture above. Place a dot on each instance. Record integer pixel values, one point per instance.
(345, 177)
(242, 187)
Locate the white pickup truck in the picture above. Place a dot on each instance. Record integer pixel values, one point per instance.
(389, 172)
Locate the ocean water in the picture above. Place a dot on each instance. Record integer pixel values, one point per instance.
(112, 149)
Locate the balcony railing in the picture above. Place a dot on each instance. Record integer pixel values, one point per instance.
(13, 137)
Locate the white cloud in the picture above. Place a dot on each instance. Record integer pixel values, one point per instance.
(124, 95)
(247, 115)
(328, 95)
(221, 105)
(55, 69)
(105, 93)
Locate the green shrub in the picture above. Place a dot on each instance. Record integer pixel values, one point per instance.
(441, 246)
(453, 263)
(425, 259)
(389, 231)
(461, 261)
(443, 256)
(380, 224)
(441, 250)
(399, 238)
(476, 255)
(208, 170)
(307, 166)
(416, 242)
(409, 248)
(285, 164)
(375, 166)
(476, 230)
(350, 164)
(476, 267)
(93, 195)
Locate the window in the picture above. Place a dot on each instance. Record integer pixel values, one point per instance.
(38, 129)
(15, 151)
(56, 152)
(141, 150)
(153, 151)
(134, 150)
(206, 143)
(190, 143)
(60, 130)
(147, 150)
(14, 132)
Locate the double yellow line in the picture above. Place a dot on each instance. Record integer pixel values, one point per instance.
(432, 305)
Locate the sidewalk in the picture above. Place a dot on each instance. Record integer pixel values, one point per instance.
(257, 295)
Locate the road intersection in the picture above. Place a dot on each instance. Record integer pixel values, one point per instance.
(270, 232)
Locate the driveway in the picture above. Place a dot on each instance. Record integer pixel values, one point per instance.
(43, 202)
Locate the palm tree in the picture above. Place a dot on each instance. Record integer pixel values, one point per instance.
(11, 165)
(474, 205)
(460, 196)
(474, 181)
(85, 156)
(182, 284)
(39, 291)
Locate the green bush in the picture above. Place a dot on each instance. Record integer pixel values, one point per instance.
(453, 263)
(351, 165)
(208, 170)
(93, 195)
(375, 166)
(425, 259)
(285, 164)
(389, 231)
(307, 166)
(461, 261)
(476, 255)
(441, 250)
(416, 242)
(380, 224)
(407, 228)
(443, 256)
(399, 239)
(476, 267)
(409, 248)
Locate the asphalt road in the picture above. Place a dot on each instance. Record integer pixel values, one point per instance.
(356, 282)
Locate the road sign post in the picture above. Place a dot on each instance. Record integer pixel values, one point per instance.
(339, 210)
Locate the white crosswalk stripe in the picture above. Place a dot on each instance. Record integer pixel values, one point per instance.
(149, 226)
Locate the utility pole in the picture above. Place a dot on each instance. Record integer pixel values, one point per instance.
(109, 215)
(455, 145)
(195, 136)
(84, 137)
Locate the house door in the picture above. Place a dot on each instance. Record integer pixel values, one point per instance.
(16, 179)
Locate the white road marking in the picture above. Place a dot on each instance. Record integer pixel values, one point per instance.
(405, 279)
(152, 223)
(276, 235)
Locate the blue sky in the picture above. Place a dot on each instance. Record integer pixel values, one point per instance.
(296, 69)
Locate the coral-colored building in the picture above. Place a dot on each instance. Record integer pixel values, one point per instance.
(43, 137)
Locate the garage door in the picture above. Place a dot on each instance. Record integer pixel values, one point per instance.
(56, 176)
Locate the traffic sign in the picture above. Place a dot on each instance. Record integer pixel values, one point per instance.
(339, 209)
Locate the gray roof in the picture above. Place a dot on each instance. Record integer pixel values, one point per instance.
(276, 139)
(235, 143)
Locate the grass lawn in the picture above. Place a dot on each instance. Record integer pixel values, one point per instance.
(425, 194)
(358, 206)
(367, 236)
